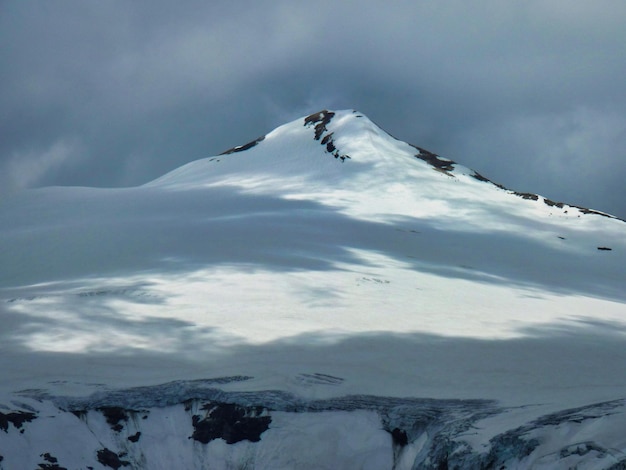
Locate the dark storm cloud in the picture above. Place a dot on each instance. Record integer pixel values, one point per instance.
(531, 94)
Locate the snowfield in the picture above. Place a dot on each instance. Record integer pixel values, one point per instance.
(325, 296)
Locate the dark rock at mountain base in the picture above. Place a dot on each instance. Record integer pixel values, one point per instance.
(53, 466)
(16, 418)
(399, 437)
(108, 458)
(230, 422)
(114, 415)
(52, 463)
(49, 458)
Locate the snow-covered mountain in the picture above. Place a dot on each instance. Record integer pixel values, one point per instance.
(325, 296)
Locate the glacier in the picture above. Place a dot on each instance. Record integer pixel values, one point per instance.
(325, 296)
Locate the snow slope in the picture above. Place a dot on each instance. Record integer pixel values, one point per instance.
(381, 306)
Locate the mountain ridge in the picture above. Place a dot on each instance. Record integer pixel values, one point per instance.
(319, 122)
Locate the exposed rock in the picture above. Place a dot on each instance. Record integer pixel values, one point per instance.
(52, 463)
(399, 437)
(480, 177)
(321, 119)
(49, 458)
(230, 422)
(242, 148)
(548, 202)
(16, 418)
(114, 415)
(529, 196)
(552, 203)
(108, 458)
(438, 163)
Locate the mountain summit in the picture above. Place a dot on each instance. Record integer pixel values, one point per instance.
(325, 295)
(378, 166)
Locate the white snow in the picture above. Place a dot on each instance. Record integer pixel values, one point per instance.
(282, 260)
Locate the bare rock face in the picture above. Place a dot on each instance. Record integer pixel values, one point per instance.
(198, 424)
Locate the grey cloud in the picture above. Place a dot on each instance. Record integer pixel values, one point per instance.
(530, 94)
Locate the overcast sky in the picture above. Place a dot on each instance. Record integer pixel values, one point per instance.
(531, 94)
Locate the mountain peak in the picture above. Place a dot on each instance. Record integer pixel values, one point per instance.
(354, 126)
(319, 122)
(368, 169)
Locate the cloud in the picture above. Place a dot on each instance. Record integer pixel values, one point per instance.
(576, 154)
(24, 170)
(147, 86)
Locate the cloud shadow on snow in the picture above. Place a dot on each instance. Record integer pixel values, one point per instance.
(577, 363)
(104, 240)
(109, 234)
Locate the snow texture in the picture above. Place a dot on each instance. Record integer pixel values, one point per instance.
(325, 296)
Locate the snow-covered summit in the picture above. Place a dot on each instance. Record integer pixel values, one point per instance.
(303, 147)
(343, 159)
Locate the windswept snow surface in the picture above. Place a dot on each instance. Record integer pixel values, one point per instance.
(325, 260)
